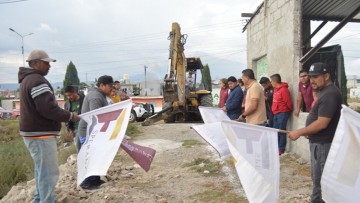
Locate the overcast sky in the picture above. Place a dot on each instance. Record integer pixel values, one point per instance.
(120, 37)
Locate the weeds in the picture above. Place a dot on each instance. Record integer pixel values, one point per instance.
(205, 166)
(16, 165)
(220, 192)
(191, 143)
(133, 130)
(9, 130)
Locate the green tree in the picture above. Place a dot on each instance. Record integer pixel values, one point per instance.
(71, 76)
(206, 77)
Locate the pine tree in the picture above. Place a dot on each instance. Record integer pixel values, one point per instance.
(206, 77)
(71, 76)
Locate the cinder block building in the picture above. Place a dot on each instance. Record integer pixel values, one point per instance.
(279, 41)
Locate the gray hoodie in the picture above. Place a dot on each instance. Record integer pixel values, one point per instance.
(95, 99)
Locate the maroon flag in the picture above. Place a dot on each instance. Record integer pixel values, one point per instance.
(141, 155)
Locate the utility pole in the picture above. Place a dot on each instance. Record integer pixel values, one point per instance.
(22, 43)
(145, 67)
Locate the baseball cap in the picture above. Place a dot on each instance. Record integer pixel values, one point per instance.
(105, 79)
(318, 69)
(39, 55)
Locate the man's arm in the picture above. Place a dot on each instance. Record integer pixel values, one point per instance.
(252, 108)
(318, 125)
(299, 104)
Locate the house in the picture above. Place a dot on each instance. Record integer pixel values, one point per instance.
(279, 41)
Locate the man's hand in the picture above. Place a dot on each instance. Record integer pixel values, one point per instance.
(75, 117)
(296, 113)
(224, 108)
(240, 119)
(294, 135)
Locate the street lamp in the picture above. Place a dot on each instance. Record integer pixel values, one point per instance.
(22, 43)
(145, 67)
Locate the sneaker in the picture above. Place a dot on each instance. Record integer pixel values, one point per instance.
(97, 182)
(281, 152)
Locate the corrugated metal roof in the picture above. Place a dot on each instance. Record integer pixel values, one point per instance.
(330, 10)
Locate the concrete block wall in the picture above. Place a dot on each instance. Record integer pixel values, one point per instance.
(275, 33)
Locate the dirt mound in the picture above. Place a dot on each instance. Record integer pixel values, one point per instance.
(185, 169)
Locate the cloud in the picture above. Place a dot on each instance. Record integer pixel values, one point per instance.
(47, 28)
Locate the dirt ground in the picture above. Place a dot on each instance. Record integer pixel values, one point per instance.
(185, 169)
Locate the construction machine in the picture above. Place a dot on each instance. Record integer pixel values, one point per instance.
(181, 99)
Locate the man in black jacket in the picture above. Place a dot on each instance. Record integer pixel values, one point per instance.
(40, 123)
(73, 104)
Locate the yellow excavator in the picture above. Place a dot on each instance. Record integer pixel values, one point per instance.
(182, 94)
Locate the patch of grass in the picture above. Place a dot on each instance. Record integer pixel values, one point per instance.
(133, 130)
(16, 165)
(63, 154)
(190, 143)
(219, 192)
(9, 130)
(200, 165)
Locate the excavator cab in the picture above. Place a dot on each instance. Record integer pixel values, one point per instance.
(182, 95)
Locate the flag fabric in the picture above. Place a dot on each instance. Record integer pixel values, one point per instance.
(255, 152)
(106, 129)
(142, 155)
(214, 135)
(212, 131)
(212, 115)
(340, 181)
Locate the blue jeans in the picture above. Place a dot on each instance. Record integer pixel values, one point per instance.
(318, 153)
(280, 122)
(44, 154)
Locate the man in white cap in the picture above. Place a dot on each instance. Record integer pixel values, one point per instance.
(40, 123)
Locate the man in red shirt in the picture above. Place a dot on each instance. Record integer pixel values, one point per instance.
(282, 107)
(305, 93)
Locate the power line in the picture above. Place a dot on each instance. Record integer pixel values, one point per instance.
(9, 2)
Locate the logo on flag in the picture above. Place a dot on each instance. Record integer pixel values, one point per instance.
(106, 130)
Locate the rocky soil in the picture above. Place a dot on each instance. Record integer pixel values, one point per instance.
(185, 169)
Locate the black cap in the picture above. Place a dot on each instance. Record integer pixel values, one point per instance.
(318, 69)
(105, 79)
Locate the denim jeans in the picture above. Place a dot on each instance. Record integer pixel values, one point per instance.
(318, 153)
(44, 154)
(280, 122)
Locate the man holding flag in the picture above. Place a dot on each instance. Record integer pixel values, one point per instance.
(321, 123)
(94, 100)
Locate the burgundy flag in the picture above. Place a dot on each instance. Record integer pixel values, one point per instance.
(141, 155)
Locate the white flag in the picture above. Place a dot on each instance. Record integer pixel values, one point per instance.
(256, 157)
(212, 115)
(106, 129)
(212, 131)
(340, 181)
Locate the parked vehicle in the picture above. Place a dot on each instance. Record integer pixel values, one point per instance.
(140, 111)
(16, 114)
(5, 114)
